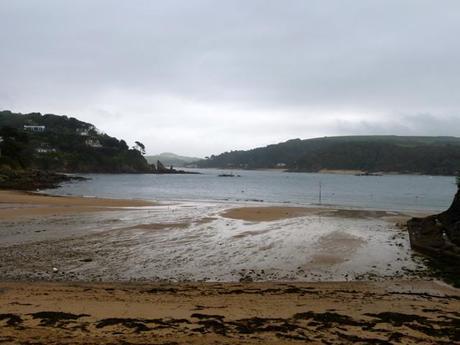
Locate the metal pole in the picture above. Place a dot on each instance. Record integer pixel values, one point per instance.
(320, 196)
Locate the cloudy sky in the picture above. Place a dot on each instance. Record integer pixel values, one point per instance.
(198, 77)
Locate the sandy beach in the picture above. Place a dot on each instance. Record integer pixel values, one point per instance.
(91, 239)
(399, 312)
(102, 271)
(14, 204)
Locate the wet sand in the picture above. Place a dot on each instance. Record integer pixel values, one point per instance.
(90, 239)
(400, 312)
(257, 214)
(270, 213)
(18, 204)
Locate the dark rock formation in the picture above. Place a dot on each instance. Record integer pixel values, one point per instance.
(161, 169)
(33, 179)
(438, 235)
(451, 220)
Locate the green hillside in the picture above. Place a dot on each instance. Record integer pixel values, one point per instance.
(65, 144)
(402, 154)
(168, 159)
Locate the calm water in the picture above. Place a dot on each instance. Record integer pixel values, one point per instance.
(397, 192)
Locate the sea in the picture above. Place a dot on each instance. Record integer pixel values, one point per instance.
(387, 192)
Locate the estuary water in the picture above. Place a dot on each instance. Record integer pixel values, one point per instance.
(388, 192)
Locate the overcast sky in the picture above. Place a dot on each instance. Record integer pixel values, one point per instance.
(200, 77)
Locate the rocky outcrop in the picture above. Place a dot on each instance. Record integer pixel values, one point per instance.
(33, 179)
(451, 220)
(161, 169)
(438, 235)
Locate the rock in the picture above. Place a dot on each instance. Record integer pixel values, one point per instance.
(33, 179)
(246, 279)
(438, 235)
(161, 169)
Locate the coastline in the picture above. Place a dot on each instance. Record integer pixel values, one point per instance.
(92, 239)
(327, 171)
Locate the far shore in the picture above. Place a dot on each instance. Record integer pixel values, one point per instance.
(328, 171)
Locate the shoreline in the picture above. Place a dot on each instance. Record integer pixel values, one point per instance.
(13, 200)
(91, 239)
(329, 172)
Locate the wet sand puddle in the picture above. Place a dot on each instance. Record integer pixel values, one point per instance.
(194, 242)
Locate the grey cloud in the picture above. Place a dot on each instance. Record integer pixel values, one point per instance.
(146, 69)
(404, 125)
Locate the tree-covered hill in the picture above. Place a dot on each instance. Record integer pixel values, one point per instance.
(61, 143)
(169, 158)
(402, 154)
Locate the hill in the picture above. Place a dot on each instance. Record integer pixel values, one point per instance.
(168, 159)
(60, 143)
(402, 154)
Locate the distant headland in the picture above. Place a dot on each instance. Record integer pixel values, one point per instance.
(365, 155)
(36, 149)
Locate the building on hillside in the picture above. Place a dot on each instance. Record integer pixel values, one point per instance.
(93, 142)
(86, 130)
(83, 132)
(44, 150)
(34, 128)
(1, 140)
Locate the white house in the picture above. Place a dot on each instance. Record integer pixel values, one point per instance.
(34, 128)
(44, 150)
(82, 131)
(93, 142)
(86, 130)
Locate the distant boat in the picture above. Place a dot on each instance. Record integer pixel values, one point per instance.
(369, 174)
(228, 175)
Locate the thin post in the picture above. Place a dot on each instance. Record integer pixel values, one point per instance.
(320, 196)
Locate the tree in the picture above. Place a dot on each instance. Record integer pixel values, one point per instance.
(15, 146)
(140, 147)
(123, 145)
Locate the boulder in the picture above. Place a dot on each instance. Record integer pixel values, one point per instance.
(438, 235)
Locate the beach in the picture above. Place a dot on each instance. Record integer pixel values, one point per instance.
(93, 239)
(229, 172)
(15, 204)
(402, 312)
(92, 270)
